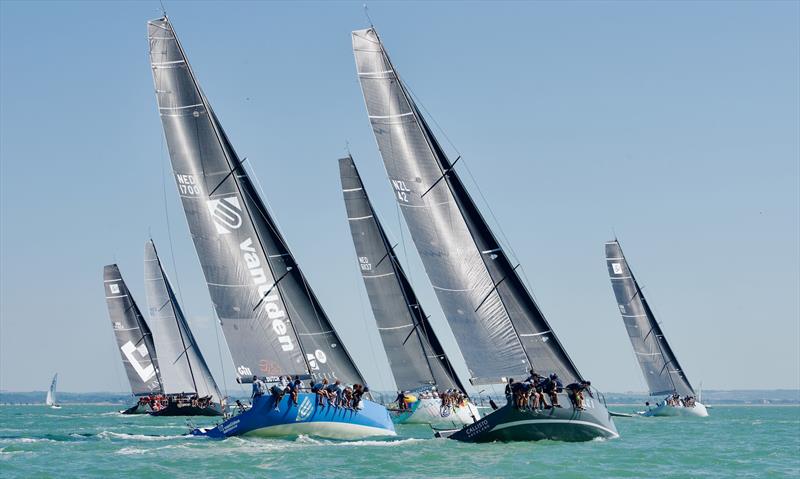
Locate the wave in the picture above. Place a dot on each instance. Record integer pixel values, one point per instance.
(137, 437)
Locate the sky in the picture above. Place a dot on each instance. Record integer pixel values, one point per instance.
(673, 126)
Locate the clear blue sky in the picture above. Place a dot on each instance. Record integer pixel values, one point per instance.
(673, 124)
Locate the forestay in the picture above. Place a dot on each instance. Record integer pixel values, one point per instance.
(134, 340)
(183, 368)
(272, 320)
(659, 365)
(498, 326)
(416, 356)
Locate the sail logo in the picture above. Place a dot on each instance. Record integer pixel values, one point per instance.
(226, 213)
(305, 409)
(617, 268)
(314, 360)
(270, 300)
(244, 371)
(114, 288)
(145, 373)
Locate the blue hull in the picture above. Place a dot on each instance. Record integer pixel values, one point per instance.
(307, 418)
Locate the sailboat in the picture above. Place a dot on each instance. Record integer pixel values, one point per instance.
(500, 330)
(134, 340)
(272, 320)
(189, 388)
(416, 357)
(663, 373)
(51, 394)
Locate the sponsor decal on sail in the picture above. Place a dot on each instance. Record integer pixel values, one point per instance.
(145, 373)
(226, 213)
(617, 268)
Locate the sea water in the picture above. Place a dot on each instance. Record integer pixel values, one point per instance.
(96, 441)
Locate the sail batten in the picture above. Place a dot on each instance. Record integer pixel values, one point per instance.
(650, 347)
(274, 325)
(415, 355)
(498, 326)
(133, 336)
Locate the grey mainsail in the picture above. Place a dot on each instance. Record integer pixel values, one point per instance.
(183, 369)
(660, 367)
(415, 354)
(498, 326)
(273, 322)
(134, 340)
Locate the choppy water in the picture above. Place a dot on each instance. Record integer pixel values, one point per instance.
(96, 441)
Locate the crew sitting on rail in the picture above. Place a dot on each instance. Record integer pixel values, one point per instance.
(551, 386)
(334, 393)
(258, 388)
(536, 396)
(689, 401)
(320, 390)
(575, 393)
(358, 391)
(293, 388)
(277, 394)
(509, 390)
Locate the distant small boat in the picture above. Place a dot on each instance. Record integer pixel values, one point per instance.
(660, 366)
(51, 394)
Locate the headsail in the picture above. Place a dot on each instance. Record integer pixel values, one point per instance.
(659, 365)
(415, 354)
(497, 324)
(273, 322)
(183, 368)
(133, 336)
(51, 393)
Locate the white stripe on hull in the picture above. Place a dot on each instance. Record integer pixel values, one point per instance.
(327, 430)
(613, 434)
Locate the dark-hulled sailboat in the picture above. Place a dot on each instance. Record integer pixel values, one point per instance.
(272, 321)
(660, 367)
(134, 340)
(189, 388)
(498, 326)
(416, 357)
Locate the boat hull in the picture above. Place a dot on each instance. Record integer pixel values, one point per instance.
(429, 411)
(307, 418)
(665, 410)
(174, 410)
(557, 424)
(136, 409)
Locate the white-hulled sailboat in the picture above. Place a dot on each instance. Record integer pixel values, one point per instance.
(51, 394)
(416, 357)
(660, 366)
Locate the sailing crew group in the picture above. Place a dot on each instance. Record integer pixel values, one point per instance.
(330, 394)
(530, 393)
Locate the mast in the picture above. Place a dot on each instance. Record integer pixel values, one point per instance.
(415, 354)
(272, 321)
(658, 362)
(496, 322)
